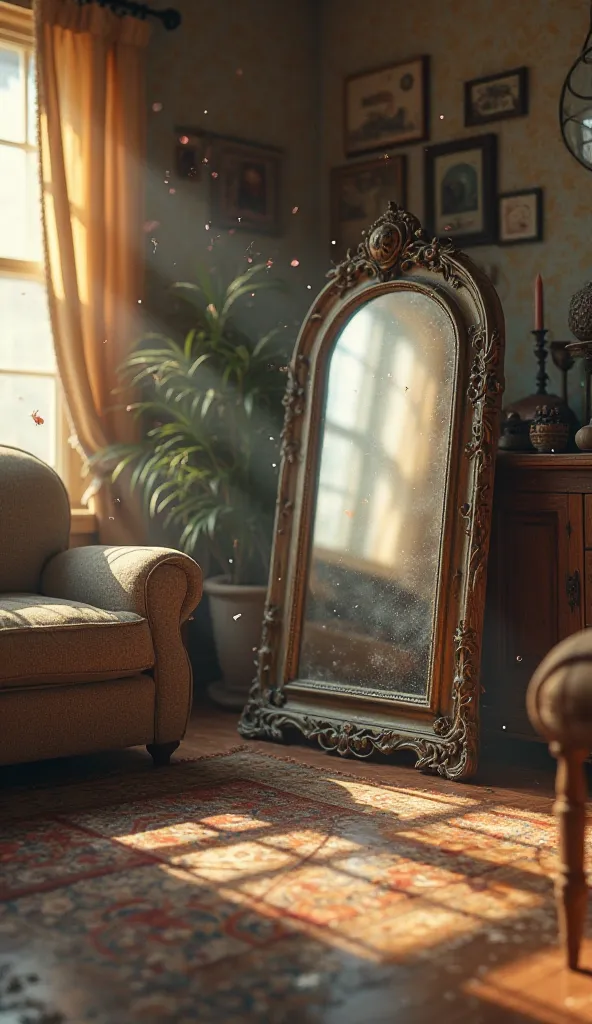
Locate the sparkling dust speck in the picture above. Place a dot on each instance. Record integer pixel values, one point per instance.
(237, 616)
(183, 139)
(295, 263)
(295, 209)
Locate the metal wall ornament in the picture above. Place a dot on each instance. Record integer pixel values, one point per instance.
(575, 104)
(357, 711)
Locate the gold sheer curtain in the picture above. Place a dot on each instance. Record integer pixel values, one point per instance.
(91, 81)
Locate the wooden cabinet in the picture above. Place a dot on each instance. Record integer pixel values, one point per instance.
(539, 577)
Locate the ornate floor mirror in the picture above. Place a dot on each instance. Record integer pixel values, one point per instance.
(372, 631)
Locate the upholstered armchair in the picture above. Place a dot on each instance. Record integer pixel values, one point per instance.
(91, 655)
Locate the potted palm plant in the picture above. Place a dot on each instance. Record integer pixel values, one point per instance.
(208, 458)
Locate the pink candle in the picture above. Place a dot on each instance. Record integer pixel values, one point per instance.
(539, 305)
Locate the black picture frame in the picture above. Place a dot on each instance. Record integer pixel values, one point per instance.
(536, 206)
(377, 79)
(232, 160)
(188, 156)
(223, 160)
(502, 83)
(486, 233)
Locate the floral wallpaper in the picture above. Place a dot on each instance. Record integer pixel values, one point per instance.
(468, 39)
(245, 70)
(273, 72)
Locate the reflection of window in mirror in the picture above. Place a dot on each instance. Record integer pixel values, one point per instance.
(381, 495)
(376, 444)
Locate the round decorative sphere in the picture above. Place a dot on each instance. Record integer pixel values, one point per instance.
(584, 438)
(384, 245)
(579, 318)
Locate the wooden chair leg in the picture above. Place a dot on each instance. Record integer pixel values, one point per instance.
(161, 752)
(571, 890)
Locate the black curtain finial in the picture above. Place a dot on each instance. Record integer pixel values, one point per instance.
(170, 18)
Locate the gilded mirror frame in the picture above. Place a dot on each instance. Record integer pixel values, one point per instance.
(442, 728)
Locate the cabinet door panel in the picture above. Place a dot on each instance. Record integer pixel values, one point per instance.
(535, 597)
(588, 589)
(588, 520)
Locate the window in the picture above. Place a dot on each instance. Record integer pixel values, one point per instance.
(28, 373)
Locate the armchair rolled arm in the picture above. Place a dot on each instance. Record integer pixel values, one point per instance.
(124, 578)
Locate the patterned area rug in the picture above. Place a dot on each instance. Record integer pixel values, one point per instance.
(249, 888)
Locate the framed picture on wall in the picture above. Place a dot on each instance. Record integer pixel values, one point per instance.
(189, 155)
(461, 190)
(496, 97)
(521, 216)
(245, 186)
(359, 195)
(387, 107)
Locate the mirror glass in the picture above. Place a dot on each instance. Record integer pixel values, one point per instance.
(369, 614)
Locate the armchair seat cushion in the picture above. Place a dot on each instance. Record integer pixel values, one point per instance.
(52, 640)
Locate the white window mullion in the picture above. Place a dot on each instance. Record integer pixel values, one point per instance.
(29, 390)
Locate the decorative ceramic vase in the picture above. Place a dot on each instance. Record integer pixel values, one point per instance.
(549, 432)
(579, 319)
(237, 621)
(584, 438)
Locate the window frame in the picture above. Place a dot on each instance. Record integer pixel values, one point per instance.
(17, 29)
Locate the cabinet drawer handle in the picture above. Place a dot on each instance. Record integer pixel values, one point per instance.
(572, 587)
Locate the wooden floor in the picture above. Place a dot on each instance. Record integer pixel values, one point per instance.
(527, 987)
(520, 768)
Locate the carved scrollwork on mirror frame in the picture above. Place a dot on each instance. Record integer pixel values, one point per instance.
(371, 637)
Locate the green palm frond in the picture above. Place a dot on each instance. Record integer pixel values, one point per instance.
(211, 413)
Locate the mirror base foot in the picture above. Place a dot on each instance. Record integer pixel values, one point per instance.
(452, 755)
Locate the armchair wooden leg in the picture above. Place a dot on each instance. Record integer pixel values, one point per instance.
(571, 890)
(161, 752)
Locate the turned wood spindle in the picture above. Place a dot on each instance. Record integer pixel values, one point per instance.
(571, 889)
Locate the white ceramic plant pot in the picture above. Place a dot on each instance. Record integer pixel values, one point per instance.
(237, 618)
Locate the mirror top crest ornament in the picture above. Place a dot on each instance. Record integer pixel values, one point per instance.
(400, 296)
(394, 245)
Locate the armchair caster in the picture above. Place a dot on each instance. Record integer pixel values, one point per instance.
(161, 752)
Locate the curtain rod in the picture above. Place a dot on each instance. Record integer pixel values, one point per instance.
(170, 18)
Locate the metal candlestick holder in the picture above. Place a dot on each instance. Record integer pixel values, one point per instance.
(520, 415)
